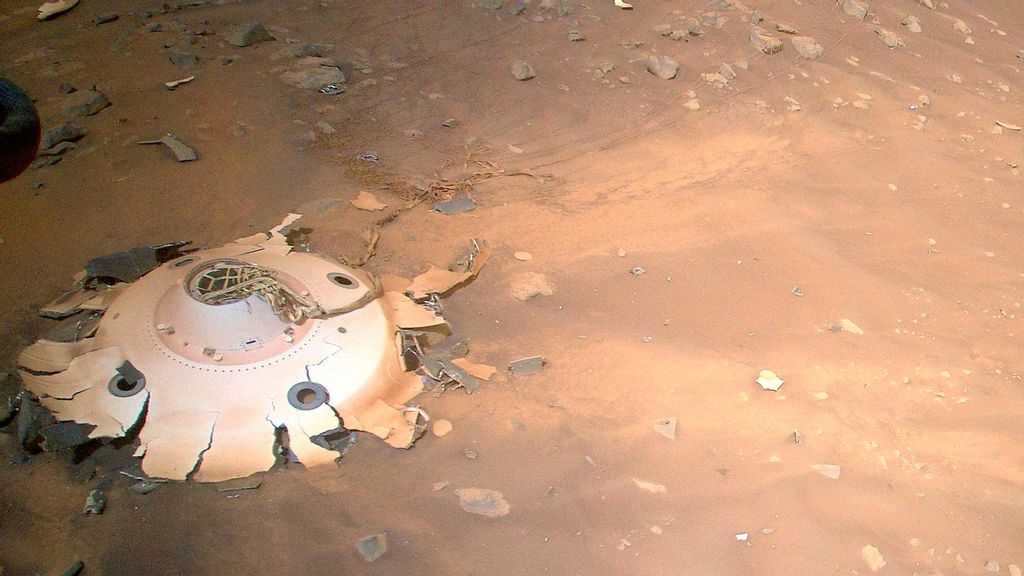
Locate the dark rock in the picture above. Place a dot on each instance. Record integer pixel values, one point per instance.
(31, 417)
(493, 4)
(181, 58)
(85, 103)
(564, 7)
(517, 7)
(66, 132)
(105, 18)
(248, 34)
(66, 88)
(58, 149)
(154, 27)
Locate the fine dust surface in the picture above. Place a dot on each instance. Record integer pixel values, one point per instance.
(872, 185)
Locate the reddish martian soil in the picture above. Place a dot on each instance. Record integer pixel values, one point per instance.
(871, 185)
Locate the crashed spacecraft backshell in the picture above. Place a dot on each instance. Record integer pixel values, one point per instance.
(216, 382)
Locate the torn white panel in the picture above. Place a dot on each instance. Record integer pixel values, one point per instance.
(243, 444)
(175, 442)
(409, 314)
(94, 368)
(49, 356)
(112, 417)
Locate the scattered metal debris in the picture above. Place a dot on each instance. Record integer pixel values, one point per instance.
(331, 89)
(173, 84)
(181, 151)
(367, 201)
(52, 9)
(96, 503)
(637, 271)
(369, 157)
(142, 487)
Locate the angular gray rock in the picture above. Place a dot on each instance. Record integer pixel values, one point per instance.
(182, 59)
(300, 50)
(312, 72)
(84, 103)
(564, 7)
(517, 7)
(522, 71)
(248, 34)
(807, 47)
(785, 28)
(66, 132)
(494, 4)
(889, 37)
(763, 41)
(855, 8)
(912, 23)
(663, 66)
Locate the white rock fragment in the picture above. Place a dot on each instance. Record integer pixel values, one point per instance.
(872, 557)
(649, 486)
(769, 380)
(832, 471)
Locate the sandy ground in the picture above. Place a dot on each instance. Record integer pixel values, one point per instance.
(758, 224)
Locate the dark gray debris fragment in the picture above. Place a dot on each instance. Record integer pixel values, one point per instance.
(456, 206)
(96, 503)
(529, 365)
(73, 569)
(64, 435)
(373, 546)
(105, 18)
